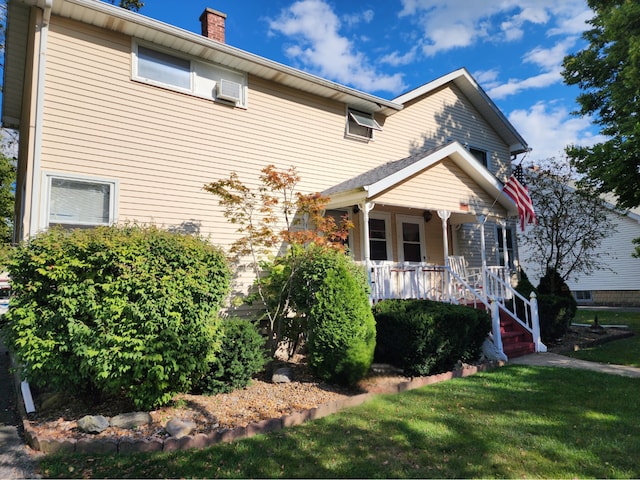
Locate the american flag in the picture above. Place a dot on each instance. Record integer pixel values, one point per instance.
(517, 189)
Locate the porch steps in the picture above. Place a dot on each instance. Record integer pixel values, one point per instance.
(516, 340)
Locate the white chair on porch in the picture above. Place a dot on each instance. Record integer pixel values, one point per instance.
(471, 276)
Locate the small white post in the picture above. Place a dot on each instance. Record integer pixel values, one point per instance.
(495, 322)
(535, 324)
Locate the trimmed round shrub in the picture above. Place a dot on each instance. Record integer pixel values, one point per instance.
(242, 355)
(116, 310)
(424, 337)
(330, 289)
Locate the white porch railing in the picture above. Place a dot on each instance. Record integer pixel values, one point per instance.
(391, 280)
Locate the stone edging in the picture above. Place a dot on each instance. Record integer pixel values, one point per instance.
(200, 440)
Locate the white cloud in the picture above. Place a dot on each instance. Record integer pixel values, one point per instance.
(459, 23)
(396, 59)
(550, 58)
(549, 128)
(321, 47)
(550, 62)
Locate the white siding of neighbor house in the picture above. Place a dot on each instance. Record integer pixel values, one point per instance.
(623, 270)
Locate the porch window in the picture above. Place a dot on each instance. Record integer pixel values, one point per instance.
(410, 231)
(75, 202)
(510, 246)
(378, 236)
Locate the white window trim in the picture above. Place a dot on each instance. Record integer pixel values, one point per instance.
(400, 219)
(387, 233)
(243, 103)
(351, 113)
(45, 205)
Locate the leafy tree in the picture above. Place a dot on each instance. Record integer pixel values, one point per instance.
(7, 197)
(572, 223)
(608, 73)
(259, 214)
(134, 5)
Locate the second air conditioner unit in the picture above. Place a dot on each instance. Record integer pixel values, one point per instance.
(228, 90)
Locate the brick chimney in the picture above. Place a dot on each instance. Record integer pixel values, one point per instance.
(213, 24)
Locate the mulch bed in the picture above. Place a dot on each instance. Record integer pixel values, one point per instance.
(56, 415)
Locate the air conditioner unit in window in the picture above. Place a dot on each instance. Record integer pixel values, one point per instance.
(228, 90)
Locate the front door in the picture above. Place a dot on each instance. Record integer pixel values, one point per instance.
(411, 243)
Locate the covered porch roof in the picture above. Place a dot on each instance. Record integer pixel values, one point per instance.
(368, 185)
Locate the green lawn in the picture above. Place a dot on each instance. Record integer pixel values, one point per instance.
(621, 352)
(515, 421)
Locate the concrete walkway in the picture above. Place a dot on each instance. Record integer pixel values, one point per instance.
(556, 360)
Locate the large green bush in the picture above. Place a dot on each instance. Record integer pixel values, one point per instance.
(243, 354)
(424, 337)
(333, 294)
(116, 310)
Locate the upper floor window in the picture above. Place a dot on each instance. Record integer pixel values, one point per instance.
(480, 155)
(361, 124)
(188, 75)
(78, 202)
(164, 68)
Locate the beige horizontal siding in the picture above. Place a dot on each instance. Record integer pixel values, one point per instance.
(444, 186)
(162, 146)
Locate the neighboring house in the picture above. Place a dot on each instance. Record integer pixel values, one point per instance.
(619, 283)
(124, 118)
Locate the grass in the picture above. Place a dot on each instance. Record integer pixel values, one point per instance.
(516, 421)
(621, 352)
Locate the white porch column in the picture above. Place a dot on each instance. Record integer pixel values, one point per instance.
(483, 253)
(503, 224)
(366, 207)
(366, 246)
(444, 216)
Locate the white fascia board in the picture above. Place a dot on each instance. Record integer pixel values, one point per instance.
(346, 199)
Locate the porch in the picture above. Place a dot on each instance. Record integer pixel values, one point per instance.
(436, 226)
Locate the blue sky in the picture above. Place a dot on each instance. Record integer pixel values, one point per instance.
(514, 49)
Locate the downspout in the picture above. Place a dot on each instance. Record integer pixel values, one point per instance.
(45, 6)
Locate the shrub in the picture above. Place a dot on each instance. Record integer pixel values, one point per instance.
(330, 289)
(556, 306)
(424, 337)
(556, 313)
(115, 310)
(242, 355)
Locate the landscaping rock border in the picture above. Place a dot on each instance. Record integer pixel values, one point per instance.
(199, 440)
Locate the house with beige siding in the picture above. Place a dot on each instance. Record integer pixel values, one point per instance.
(124, 118)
